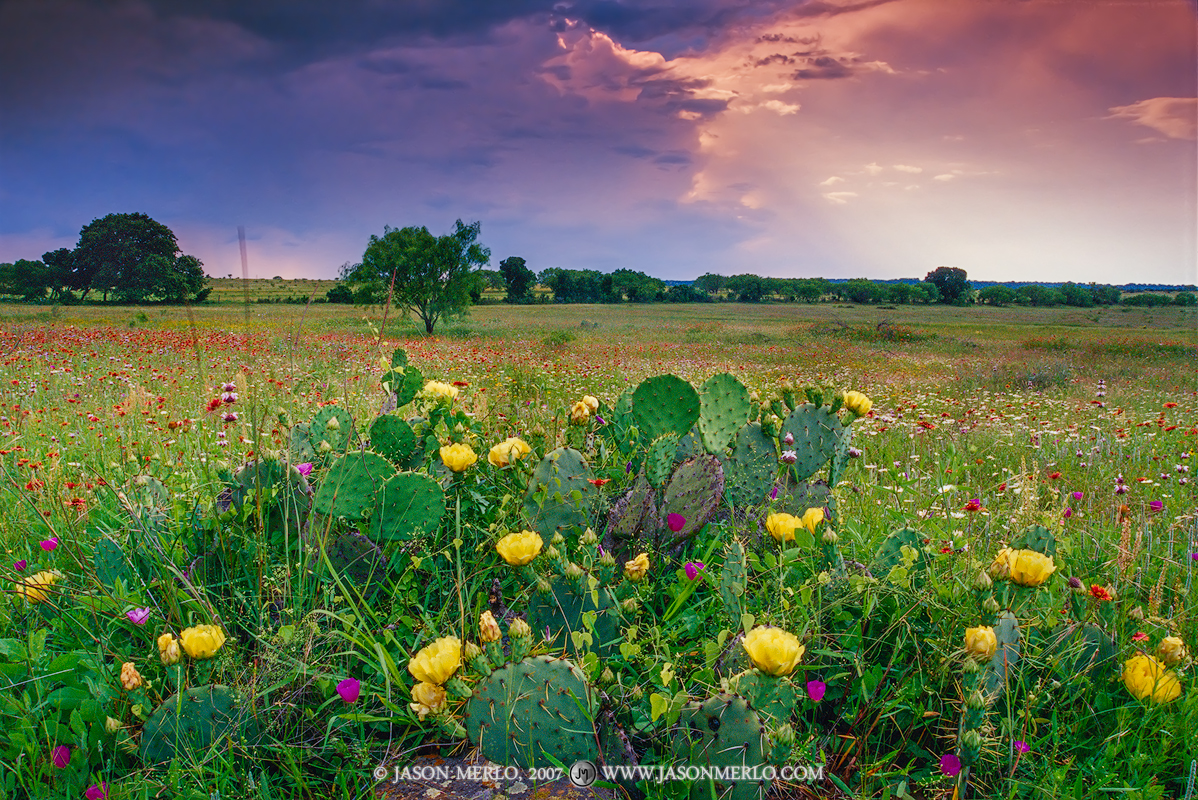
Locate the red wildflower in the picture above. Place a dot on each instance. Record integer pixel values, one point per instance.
(1099, 592)
(598, 482)
(1139, 636)
(1052, 476)
(460, 383)
(1170, 405)
(973, 505)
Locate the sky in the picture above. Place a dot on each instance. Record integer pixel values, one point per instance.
(1019, 140)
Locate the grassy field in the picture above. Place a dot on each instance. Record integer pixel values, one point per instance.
(125, 435)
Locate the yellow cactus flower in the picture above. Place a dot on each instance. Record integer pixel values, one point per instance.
(591, 403)
(427, 698)
(520, 548)
(1000, 569)
(1148, 679)
(508, 451)
(1030, 568)
(202, 641)
(773, 650)
(980, 642)
(782, 526)
(458, 456)
(580, 412)
(811, 518)
(437, 662)
(35, 588)
(488, 628)
(1172, 651)
(168, 649)
(636, 569)
(130, 677)
(857, 403)
(439, 392)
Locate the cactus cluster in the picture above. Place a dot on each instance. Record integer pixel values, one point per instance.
(722, 731)
(559, 494)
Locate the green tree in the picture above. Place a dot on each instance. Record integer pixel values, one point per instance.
(26, 279)
(111, 252)
(518, 278)
(430, 276)
(748, 288)
(710, 283)
(998, 295)
(950, 282)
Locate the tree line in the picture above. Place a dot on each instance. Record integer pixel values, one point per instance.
(128, 258)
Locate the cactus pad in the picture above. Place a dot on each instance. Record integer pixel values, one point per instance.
(521, 712)
(774, 699)
(191, 722)
(359, 562)
(660, 460)
(1006, 656)
(1037, 538)
(723, 410)
(558, 613)
(559, 494)
(890, 554)
(665, 405)
(404, 382)
(721, 732)
(393, 439)
(694, 491)
(816, 431)
(334, 425)
(351, 484)
(1077, 649)
(110, 562)
(410, 504)
(751, 470)
(734, 580)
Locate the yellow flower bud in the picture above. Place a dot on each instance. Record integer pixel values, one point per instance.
(580, 413)
(488, 628)
(202, 641)
(438, 661)
(636, 569)
(1148, 679)
(508, 451)
(591, 403)
(1172, 651)
(168, 649)
(1000, 570)
(519, 628)
(130, 677)
(857, 403)
(981, 642)
(520, 548)
(458, 457)
(427, 698)
(773, 650)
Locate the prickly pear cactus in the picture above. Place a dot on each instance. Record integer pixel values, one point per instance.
(1006, 656)
(521, 712)
(840, 456)
(665, 405)
(410, 504)
(1078, 649)
(734, 577)
(816, 431)
(723, 410)
(110, 563)
(689, 446)
(404, 382)
(630, 517)
(331, 430)
(891, 553)
(301, 447)
(694, 492)
(193, 721)
(559, 494)
(660, 459)
(351, 484)
(559, 614)
(751, 470)
(393, 439)
(721, 731)
(1037, 538)
(774, 699)
(359, 562)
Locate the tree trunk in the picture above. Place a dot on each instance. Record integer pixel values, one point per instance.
(428, 326)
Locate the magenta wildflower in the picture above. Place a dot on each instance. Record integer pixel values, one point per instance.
(349, 689)
(61, 756)
(692, 569)
(950, 765)
(1078, 495)
(50, 544)
(816, 690)
(1156, 506)
(675, 522)
(1068, 513)
(138, 616)
(1021, 746)
(304, 469)
(95, 792)
(19, 566)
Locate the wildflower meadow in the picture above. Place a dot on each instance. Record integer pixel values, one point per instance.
(265, 551)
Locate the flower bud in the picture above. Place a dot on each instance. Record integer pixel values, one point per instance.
(112, 725)
(607, 559)
(557, 539)
(519, 629)
(588, 537)
(333, 424)
(990, 605)
(573, 571)
(552, 553)
(607, 678)
(788, 439)
(471, 651)
(1172, 651)
(972, 739)
(982, 582)
(785, 735)
(488, 628)
(168, 649)
(1075, 583)
(976, 700)
(971, 666)
(830, 537)
(130, 678)
(630, 605)
(1137, 614)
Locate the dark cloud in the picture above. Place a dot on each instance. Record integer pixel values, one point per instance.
(823, 67)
